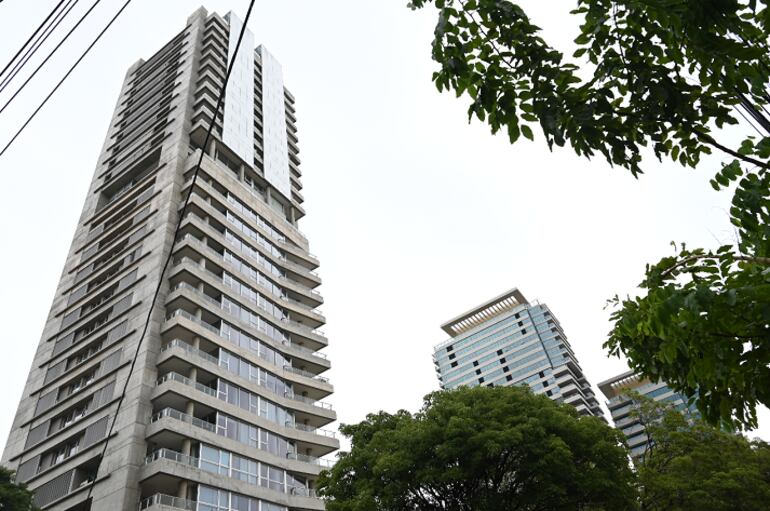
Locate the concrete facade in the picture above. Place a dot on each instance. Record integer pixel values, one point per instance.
(509, 341)
(230, 364)
(621, 405)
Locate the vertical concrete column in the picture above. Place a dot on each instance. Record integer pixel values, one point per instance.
(196, 342)
(193, 374)
(212, 148)
(181, 491)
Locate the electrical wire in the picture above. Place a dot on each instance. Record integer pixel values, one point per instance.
(37, 44)
(40, 66)
(171, 250)
(55, 9)
(65, 77)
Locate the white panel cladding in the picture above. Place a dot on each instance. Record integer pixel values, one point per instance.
(238, 127)
(276, 144)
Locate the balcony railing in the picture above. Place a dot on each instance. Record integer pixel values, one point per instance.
(183, 417)
(254, 193)
(172, 376)
(311, 429)
(215, 303)
(187, 315)
(160, 499)
(307, 374)
(279, 278)
(200, 423)
(310, 331)
(176, 457)
(190, 461)
(310, 459)
(299, 326)
(214, 360)
(187, 381)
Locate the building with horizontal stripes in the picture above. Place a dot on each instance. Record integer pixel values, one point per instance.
(621, 406)
(509, 341)
(224, 396)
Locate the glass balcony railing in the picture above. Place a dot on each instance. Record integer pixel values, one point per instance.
(311, 332)
(160, 499)
(190, 461)
(186, 381)
(294, 324)
(172, 376)
(200, 423)
(310, 459)
(292, 346)
(178, 343)
(183, 417)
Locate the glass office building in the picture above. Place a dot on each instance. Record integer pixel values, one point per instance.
(616, 391)
(224, 408)
(509, 341)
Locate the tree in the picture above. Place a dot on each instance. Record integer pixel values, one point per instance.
(691, 465)
(14, 496)
(660, 75)
(495, 449)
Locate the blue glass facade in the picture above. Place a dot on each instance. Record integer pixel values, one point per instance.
(621, 406)
(521, 344)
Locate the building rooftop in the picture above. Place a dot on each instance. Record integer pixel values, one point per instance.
(612, 386)
(484, 312)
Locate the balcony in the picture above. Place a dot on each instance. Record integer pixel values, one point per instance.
(178, 458)
(293, 306)
(176, 377)
(284, 322)
(185, 350)
(211, 328)
(160, 501)
(176, 415)
(216, 255)
(283, 342)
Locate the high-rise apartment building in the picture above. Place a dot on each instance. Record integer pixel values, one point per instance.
(621, 404)
(509, 341)
(224, 407)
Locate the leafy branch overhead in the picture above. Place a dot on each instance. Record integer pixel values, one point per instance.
(664, 75)
(660, 72)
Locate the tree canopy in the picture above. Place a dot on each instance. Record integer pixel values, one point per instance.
(14, 496)
(661, 76)
(495, 449)
(691, 465)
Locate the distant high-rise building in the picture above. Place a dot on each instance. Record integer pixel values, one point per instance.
(620, 404)
(223, 409)
(509, 341)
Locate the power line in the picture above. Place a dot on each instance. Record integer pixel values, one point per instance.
(37, 44)
(30, 77)
(171, 249)
(65, 77)
(56, 8)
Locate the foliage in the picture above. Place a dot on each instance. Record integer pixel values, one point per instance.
(14, 496)
(655, 74)
(696, 466)
(499, 448)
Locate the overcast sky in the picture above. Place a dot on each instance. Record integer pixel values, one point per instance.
(415, 215)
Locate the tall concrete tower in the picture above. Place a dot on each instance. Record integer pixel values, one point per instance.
(509, 341)
(223, 408)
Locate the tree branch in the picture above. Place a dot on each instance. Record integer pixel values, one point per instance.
(759, 260)
(708, 139)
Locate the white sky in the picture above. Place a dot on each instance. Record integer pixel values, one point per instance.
(415, 214)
